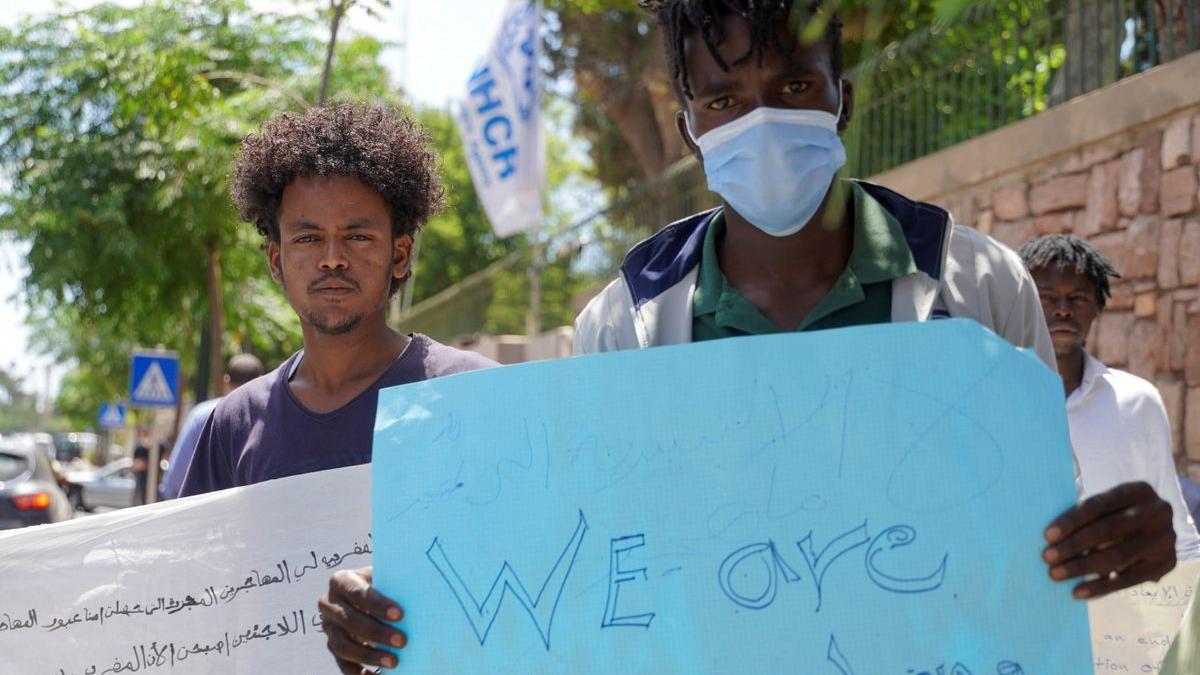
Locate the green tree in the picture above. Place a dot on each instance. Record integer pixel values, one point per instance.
(459, 240)
(18, 408)
(459, 243)
(118, 127)
(949, 70)
(606, 57)
(334, 13)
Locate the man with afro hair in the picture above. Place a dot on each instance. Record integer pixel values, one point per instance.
(338, 193)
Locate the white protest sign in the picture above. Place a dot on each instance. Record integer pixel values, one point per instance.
(1132, 629)
(219, 583)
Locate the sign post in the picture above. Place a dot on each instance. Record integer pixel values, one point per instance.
(112, 416)
(153, 383)
(154, 379)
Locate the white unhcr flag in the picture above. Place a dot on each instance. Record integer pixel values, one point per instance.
(500, 121)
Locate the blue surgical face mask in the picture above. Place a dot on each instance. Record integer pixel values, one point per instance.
(774, 166)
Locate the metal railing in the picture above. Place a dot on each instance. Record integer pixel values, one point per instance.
(607, 236)
(996, 62)
(591, 251)
(1001, 61)
(462, 308)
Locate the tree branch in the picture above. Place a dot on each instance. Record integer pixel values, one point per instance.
(261, 81)
(338, 9)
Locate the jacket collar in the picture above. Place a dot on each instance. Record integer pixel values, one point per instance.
(926, 227)
(663, 260)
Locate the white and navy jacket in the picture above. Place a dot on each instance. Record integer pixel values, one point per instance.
(961, 272)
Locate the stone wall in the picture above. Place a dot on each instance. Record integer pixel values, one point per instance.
(1132, 191)
(1138, 204)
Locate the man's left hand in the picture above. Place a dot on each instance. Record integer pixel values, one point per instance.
(1115, 539)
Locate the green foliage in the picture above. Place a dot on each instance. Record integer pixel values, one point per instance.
(587, 6)
(118, 127)
(606, 57)
(505, 315)
(941, 71)
(18, 409)
(459, 240)
(106, 137)
(975, 67)
(598, 51)
(358, 74)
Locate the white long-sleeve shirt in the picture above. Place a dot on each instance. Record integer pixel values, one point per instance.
(1120, 433)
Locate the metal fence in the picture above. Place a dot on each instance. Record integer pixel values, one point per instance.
(607, 236)
(1000, 61)
(590, 251)
(995, 63)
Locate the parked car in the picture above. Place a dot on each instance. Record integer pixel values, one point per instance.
(29, 491)
(76, 445)
(110, 486)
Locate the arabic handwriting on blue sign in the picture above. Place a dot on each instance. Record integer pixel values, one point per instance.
(824, 503)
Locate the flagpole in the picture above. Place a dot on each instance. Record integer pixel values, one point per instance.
(406, 294)
(404, 302)
(533, 319)
(505, 141)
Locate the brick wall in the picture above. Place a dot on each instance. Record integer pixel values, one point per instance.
(1135, 196)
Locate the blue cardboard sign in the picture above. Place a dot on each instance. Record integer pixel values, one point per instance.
(154, 379)
(866, 500)
(111, 416)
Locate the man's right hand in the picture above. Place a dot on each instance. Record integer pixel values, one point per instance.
(353, 615)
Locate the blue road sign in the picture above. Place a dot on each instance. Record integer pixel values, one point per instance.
(154, 379)
(112, 416)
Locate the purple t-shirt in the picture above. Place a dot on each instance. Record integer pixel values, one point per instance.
(261, 431)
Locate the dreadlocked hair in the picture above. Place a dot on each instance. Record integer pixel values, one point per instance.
(1066, 251)
(679, 18)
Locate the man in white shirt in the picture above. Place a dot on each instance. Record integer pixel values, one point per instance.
(1118, 423)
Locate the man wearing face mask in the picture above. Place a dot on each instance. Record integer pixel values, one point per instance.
(790, 249)
(795, 248)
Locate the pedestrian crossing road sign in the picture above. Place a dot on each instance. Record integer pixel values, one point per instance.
(154, 379)
(112, 416)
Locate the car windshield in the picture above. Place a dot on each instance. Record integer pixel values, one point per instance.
(12, 465)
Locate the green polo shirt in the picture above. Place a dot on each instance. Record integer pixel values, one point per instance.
(861, 295)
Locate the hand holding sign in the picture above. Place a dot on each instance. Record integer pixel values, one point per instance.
(1124, 537)
(353, 615)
